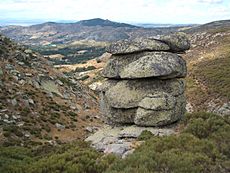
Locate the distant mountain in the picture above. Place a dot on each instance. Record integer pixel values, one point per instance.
(102, 22)
(93, 29)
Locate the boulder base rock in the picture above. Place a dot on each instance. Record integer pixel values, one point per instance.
(164, 65)
(116, 116)
(123, 140)
(158, 101)
(158, 116)
(153, 110)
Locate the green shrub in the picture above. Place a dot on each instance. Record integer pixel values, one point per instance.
(14, 159)
(66, 81)
(2, 50)
(202, 125)
(72, 114)
(203, 146)
(47, 137)
(25, 111)
(90, 68)
(46, 128)
(6, 134)
(84, 77)
(79, 69)
(71, 158)
(145, 135)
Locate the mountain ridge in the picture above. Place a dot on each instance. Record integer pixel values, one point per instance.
(102, 22)
(93, 29)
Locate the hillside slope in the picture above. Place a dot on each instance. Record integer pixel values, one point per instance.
(216, 26)
(39, 104)
(208, 63)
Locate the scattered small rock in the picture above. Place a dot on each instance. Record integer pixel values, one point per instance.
(14, 102)
(28, 51)
(59, 126)
(91, 129)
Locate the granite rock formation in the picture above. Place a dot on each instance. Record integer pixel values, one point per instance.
(145, 83)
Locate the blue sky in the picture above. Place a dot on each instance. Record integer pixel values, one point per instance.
(132, 11)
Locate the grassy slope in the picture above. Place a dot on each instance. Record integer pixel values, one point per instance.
(202, 146)
(208, 66)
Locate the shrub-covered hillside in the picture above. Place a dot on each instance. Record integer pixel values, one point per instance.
(202, 146)
(208, 63)
(39, 104)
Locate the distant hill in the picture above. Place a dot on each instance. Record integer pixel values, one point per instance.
(102, 22)
(216, 25)
(93, 29)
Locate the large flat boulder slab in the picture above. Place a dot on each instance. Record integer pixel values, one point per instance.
(128, 93)
(178, 42)
(162, 65)
(137, 45)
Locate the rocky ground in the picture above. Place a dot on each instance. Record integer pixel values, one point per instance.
(40, 104)
(123, 140)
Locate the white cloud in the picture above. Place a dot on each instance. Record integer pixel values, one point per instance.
(211, 1)
(156, 11)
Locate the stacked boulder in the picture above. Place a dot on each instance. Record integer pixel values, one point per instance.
(145, 83)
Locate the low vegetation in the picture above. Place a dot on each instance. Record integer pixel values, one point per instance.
(202, 146)
(72, 158)
(208, 67)
(214, 74)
